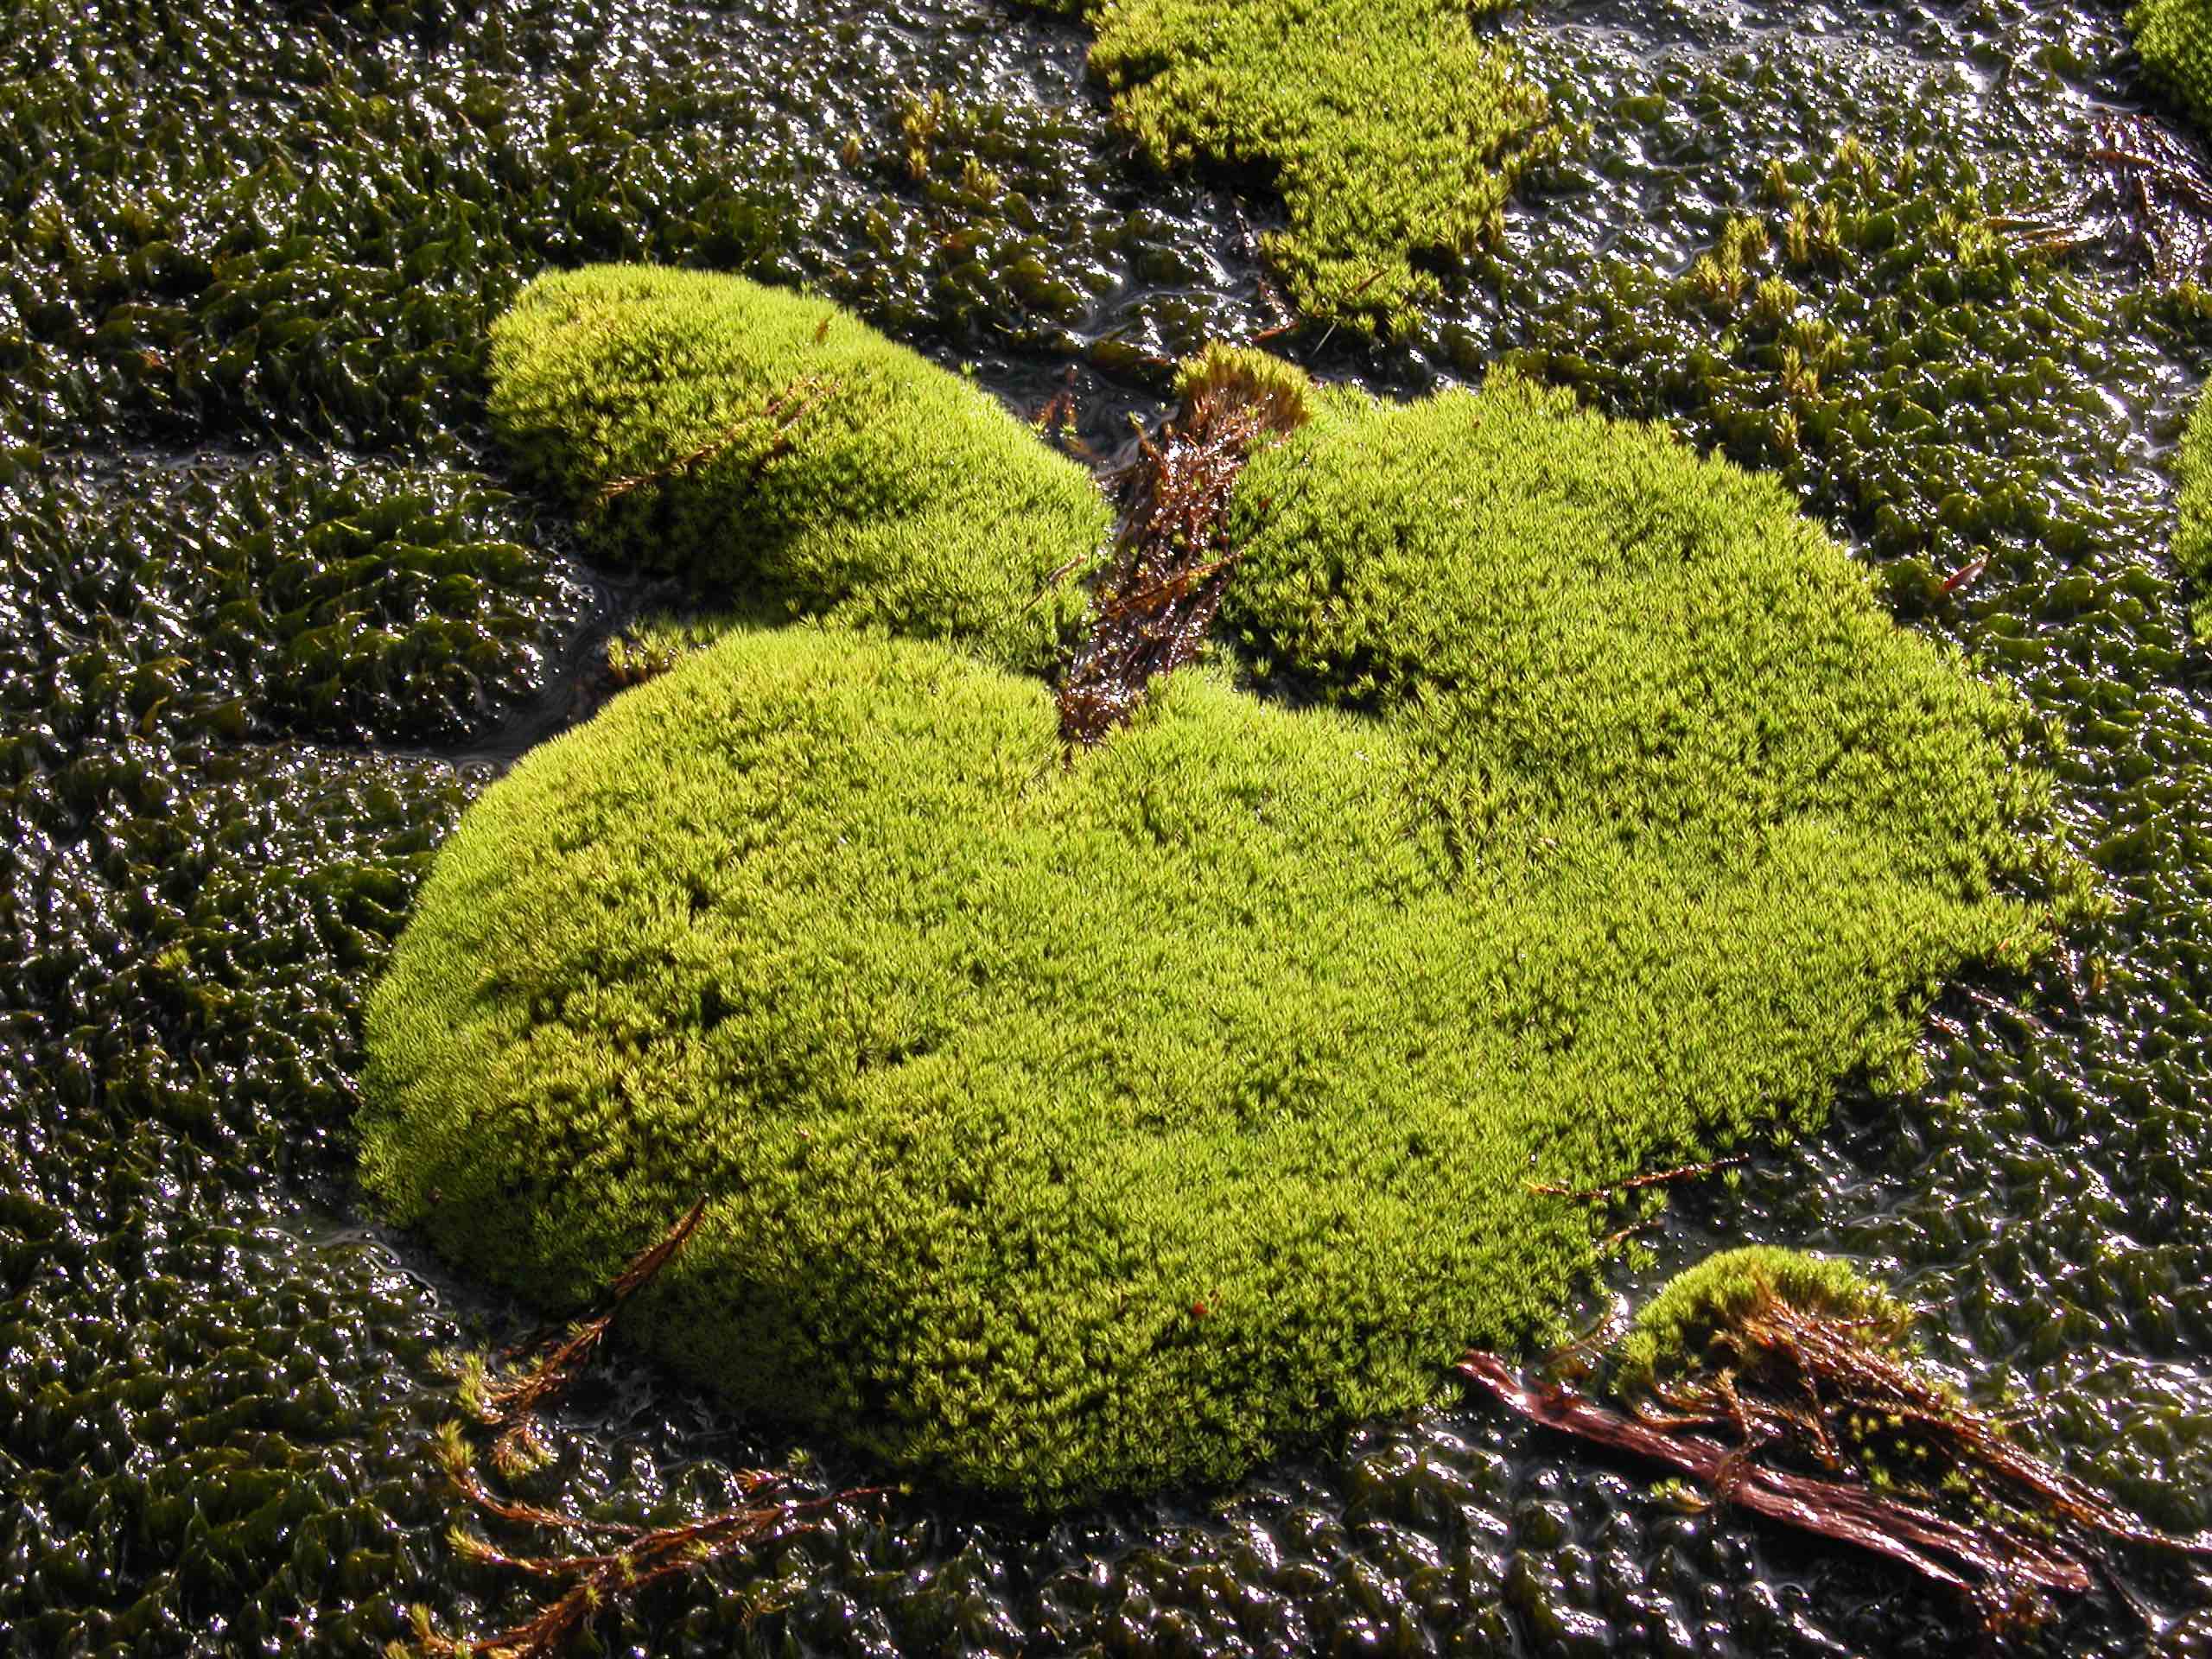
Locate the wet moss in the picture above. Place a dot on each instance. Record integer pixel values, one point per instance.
(1863, 332)
(769, 447)
(1391, 130)
(1074, 1123)
(279, 595)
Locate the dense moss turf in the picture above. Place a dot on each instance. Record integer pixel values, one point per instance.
(1393, 133)
(1108, 1120)
(769, 446)
(2192, 545)
(2175, 37)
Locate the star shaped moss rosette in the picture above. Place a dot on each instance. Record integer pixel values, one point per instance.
(1090, 1118)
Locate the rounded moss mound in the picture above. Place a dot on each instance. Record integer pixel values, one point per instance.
(2175, 37)
(1692, 1319)
(1107, 1119)
(769, 445)
(1603, 647)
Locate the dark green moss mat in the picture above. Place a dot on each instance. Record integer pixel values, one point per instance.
(2175, 37)
(1104, 1121)
(1391, 131)
(769, 446)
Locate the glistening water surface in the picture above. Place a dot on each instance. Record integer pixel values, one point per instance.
(271, 617)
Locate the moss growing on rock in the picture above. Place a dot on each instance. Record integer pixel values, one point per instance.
(2175, 37)
(1109, 1121)
(1392, 132)
(769, 445)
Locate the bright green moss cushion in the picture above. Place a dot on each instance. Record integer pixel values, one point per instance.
(774, 448)
(1107, 1119)
(2192, 545)
(2175, 37)
(1393, 133)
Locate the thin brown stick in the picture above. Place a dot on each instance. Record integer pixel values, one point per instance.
(782, 410)
(1656, 1178)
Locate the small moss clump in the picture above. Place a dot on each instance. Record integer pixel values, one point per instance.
(772, 448)
(2175, 37)
(1393, 134)
(1675, 1332)
(1073, 1121)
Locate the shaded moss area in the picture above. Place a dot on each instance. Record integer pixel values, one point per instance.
(1110, 1121)
(1391, 130)
(769, 447)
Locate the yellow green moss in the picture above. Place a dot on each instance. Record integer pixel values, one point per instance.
(2192, 543)
(2174, 38)
(1110, 1121)
(786, 456)
(1392, 132)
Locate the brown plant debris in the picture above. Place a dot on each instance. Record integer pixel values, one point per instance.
(1656, 1178)
(637, 1556)
(1172, 554)
(1820, 1420)
(2148, 196)
(770, 426)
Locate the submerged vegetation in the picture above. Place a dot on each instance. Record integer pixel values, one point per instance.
(1860, 301)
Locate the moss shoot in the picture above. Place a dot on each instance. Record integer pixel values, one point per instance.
(774, 449)
(1392, 132)
(1109, 1120)
(2175, 37)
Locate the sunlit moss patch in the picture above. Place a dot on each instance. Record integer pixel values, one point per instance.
(1688, 1323)
(771, 448)
(1392, 131)
(2175, 37)
(1075, 1123)
(2192, 545)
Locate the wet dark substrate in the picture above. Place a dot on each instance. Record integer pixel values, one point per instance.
(242, 465)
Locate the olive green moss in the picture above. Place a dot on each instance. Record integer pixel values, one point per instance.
(2175, 37)
(769, 446)
(2192, 543)
(1108, 1120)
(283, 596)
(1674, 1330)
(1392, 132)
(1860, 329)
